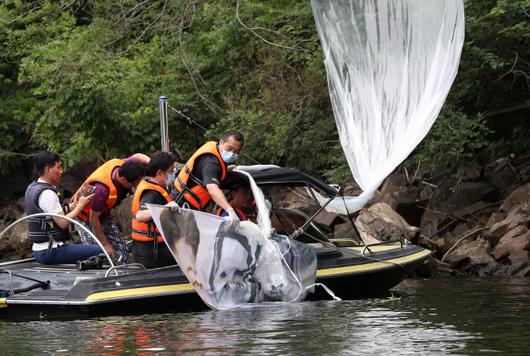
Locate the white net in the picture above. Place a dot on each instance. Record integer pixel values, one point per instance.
(390, 65)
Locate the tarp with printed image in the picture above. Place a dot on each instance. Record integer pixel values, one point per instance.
(229, 268)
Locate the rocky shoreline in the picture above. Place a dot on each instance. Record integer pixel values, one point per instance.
(476, 223)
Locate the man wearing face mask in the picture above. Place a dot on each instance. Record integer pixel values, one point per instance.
(199, 180)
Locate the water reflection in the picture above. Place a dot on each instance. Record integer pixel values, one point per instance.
(431, 317)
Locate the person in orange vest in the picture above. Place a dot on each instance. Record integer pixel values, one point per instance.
(243, 203)
(149, 247)
(112, 182)
(198, 181)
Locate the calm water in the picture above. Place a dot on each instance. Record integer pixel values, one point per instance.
(437, 316)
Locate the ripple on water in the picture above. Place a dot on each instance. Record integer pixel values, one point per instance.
(439, 316)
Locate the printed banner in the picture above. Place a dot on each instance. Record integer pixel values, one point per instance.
(228, 268)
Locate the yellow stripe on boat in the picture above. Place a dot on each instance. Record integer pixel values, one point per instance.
(139, 292)
(365, 267)
(187, 287)
(3, 303)
(377, 248)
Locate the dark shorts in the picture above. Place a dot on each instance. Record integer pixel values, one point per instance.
(144, 253)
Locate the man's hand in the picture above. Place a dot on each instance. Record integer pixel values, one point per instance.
(83, 201)
(172, 206)
(110, 251)
(233, 218)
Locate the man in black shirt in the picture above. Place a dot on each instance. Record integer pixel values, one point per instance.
(149, 247)
(198, 182)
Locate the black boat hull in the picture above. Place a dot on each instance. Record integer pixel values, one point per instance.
(349, 273)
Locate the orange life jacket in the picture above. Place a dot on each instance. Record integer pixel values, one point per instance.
(103, 175)
(197, 196)
(239, 212)
(146, 231)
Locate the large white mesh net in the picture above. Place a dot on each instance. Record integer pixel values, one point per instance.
(390, 65)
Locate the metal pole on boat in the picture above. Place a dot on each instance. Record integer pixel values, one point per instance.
(164, 133)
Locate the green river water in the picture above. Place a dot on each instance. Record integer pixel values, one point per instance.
(437, 316)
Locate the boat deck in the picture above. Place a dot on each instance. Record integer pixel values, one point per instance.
(348, 272)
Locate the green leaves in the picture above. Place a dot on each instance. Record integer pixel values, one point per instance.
(83, 78)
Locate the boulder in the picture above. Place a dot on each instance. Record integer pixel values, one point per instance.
(501, 175)
(396, 190)
(451, 196)
(476, 209)
(494, 218)
(14, 255)
(513, 246)
(328, 219)
(10, 213)
(291, 199)
(346, 231)
(472, 257)
(519, 196)
(18, 238)
(76, 175)
(516, 216)
(4, 247)
(123, 216)
(380, 223)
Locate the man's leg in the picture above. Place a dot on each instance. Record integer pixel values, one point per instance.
(86, 238)
(165, 257)
(143, 253)
(67, 254)
(75, 252)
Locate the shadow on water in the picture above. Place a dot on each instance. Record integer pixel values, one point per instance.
(438, 316)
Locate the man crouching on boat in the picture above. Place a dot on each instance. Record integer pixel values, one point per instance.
(50, 235)
(113, 181)
(149, 247)
(199, 180)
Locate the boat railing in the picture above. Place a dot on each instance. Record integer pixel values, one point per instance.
(12, 288)
(39, 215)
(382, 243)
(127, 266)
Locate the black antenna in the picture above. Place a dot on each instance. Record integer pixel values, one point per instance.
(193, 122)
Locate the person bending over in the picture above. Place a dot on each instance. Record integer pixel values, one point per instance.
(199, 180)
(113, 182)
(149, 247)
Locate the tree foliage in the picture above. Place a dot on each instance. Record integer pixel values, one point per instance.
(83, 78)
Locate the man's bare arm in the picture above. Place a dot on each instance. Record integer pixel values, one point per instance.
(63, 223)
(97, 227)
(217, 195)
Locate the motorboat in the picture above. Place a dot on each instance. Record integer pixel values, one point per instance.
(348, 267)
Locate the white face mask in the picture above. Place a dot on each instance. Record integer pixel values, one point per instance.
(229, 156)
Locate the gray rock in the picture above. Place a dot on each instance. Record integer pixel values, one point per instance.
(4, 247)
(123, 216)
(346, 231)
(520, 196)
(18, 238)
(513, 246)
(473, 257)
(380, 222)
